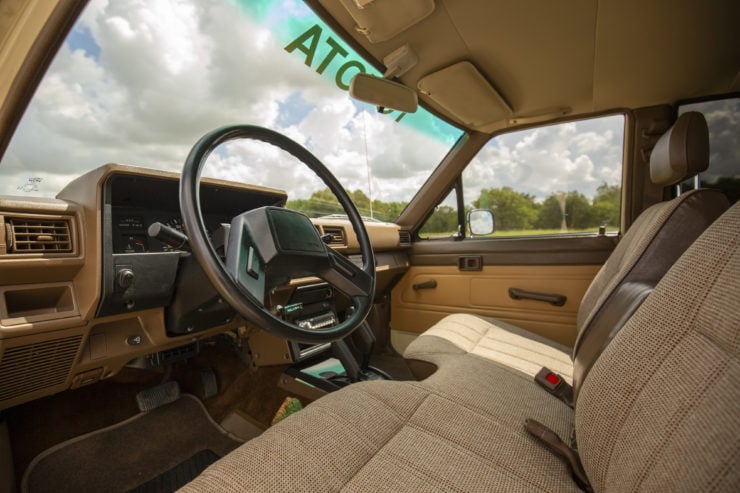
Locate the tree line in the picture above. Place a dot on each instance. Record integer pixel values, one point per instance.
(515, 211)
(512, 210)
(324, 203)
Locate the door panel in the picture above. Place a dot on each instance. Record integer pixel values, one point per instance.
(563, 266)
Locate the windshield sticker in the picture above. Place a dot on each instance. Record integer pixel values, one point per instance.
(309, 43)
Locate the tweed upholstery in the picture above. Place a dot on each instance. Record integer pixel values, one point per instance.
(660, 408)
(493, 340)
(624, 257)
(681, 152)
(500, 391)
(395, 436)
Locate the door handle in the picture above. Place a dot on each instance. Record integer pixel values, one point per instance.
(431, 284)
(553, 299)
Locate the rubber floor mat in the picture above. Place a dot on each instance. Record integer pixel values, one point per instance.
(124, 456)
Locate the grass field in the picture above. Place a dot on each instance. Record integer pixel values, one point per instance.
(521, 232)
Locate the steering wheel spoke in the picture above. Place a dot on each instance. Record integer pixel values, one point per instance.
(244, 262)
(347, 277)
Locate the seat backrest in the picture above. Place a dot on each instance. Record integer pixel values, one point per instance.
(651, 246)
(660, 409)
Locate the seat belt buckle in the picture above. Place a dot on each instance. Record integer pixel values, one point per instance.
(555, 385)
(548, 379)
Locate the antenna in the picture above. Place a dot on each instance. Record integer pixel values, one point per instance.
(367, 164)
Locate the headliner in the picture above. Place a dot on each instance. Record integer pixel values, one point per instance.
(549, 59)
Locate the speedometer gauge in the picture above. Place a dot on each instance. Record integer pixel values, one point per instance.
(130, 223)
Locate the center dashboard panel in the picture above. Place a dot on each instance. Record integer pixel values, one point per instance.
(141, 272)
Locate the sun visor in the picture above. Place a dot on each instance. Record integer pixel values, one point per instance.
(380, 20)
(464, 94)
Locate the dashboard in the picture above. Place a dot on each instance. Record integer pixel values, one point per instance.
(136, 202)
(88, 290)
(141, 272)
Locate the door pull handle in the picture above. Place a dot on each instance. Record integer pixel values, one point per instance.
(553, 299)
(431, 284)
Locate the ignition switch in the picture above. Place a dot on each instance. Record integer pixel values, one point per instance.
(125, 278)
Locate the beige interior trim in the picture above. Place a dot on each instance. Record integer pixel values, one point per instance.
(486, 293)
(383, 236)
(104, 348)
(582, 56)
(380, 20)
(465, 94)
(67, 288)
(21, 21)
(268, 349)
(644, 128)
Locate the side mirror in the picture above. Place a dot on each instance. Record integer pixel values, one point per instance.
(481, 222)
(383, 92)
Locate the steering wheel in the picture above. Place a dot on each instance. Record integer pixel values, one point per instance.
(269, 246)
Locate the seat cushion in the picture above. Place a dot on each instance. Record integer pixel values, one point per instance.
(493, 340)
(399, 436)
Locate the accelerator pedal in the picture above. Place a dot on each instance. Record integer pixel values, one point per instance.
(162, 394)
(210, 384)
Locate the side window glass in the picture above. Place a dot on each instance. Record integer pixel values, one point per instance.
(442, 223)
(723, 120)
(557, 179)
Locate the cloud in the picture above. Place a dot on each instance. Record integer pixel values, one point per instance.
(723, 119)
(142, 80)
(571, 156)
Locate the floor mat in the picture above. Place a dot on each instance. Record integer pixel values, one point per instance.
(132, 453)
(180, 475)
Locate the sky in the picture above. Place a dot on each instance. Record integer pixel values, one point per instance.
(139, 81)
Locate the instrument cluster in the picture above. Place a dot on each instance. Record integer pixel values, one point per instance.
(130, 231)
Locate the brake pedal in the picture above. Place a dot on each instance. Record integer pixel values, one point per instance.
(209, 381)
(160, 395)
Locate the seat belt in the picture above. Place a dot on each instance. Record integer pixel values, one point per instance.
(552, 441)
(555, 385)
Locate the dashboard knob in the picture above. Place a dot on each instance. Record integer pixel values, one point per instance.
(125, 278)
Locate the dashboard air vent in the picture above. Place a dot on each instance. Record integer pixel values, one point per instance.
(39, 235)
(404, 238)
(32, 367)
(338, 236)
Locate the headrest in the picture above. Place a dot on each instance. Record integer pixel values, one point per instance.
(681, 152)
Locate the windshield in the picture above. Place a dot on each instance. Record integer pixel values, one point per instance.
(139, 82)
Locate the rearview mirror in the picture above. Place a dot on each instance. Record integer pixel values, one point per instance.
(383, 92)
(481, 222)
